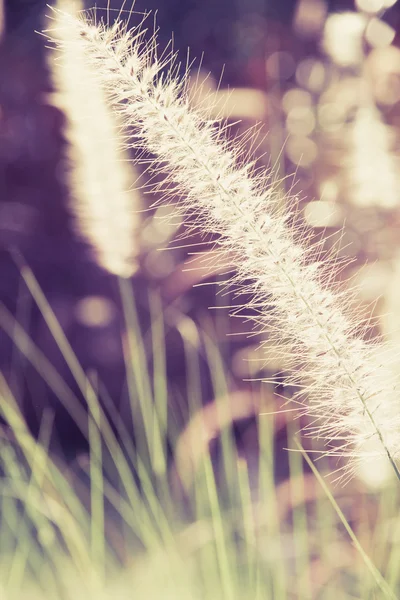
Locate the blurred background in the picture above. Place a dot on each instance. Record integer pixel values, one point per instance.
(324, 80)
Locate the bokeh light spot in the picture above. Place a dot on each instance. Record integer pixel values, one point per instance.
(95, 311)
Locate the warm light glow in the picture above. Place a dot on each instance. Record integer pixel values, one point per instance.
(390, 320)
(374, 470)
(310, 74)
(373, 169)
(385, 59)
(296, 98)
(310, 17)
(379, 34)
(280, 65)
(160, 228)
(370, 280)
(330, 116)
(95, 311)
(238, 103)
(322, 213)
(301, 151)
(241, 103)
(384, 68)
(329, 190)
(369, 6)
(159, 264)
(300, 121)
(374, 6)
(339, 102)
(343, 36)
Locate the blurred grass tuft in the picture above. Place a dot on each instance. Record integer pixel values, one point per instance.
(127, 521)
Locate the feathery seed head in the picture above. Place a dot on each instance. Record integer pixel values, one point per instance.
(99, 178)
(349, 396)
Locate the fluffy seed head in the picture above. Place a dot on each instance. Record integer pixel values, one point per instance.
(349, 394)
(99, 173)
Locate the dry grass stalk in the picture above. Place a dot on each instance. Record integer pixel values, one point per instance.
(348, 393)
(100, 176)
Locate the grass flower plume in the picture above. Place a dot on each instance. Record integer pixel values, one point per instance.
(349, 395)
(99, 174)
